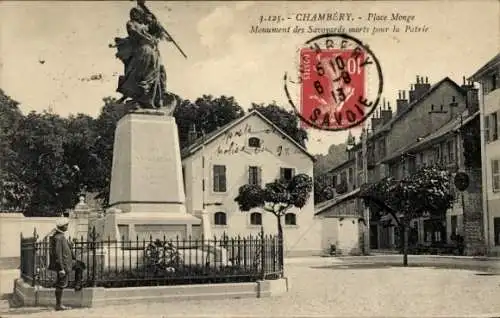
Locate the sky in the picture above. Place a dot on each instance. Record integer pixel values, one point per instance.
(50, 50)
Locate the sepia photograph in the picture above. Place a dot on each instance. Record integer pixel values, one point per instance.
(250, 158)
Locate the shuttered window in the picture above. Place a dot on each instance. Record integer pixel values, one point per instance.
(219, 172)
(254, 175)
(256, 218)
(287, 173)
(495, 174)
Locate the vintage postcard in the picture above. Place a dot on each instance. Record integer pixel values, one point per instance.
(250, 158)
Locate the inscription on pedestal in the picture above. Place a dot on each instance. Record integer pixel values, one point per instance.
(160, 231)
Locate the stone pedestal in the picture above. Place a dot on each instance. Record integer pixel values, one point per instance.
(147, 194)
(79, 220)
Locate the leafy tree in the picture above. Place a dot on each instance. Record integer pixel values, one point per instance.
(101, 150)
(323, 191)
(79, 152)
(14, 194)
(276, 197)
(206, 113)
(285, 120)
(426, 192)
(336, 155)
(40, 146)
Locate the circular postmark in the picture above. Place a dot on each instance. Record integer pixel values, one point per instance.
(339, 82)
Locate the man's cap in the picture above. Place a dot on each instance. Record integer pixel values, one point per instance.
(62, 222)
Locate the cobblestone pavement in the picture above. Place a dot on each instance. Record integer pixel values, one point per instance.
(339, 291)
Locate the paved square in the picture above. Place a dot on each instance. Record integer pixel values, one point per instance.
(337, 292)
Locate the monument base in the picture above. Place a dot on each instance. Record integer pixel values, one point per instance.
(147, 199)
(145, 226)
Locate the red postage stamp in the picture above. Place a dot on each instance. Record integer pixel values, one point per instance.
(333, 83)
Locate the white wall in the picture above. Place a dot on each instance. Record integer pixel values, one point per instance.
(330, 231)
(13, 224)
(275, 152)
(492, 152)
(343, 232)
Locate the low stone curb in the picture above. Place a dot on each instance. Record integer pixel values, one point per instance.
(100, 296)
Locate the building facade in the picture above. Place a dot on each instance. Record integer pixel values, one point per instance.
(342, 216)
(488, 78)
(250, 150)
(421, 130)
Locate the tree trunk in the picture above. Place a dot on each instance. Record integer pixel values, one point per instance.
(280, 240)
(405, 230)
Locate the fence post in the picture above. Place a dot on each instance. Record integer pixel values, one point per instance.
(21, 251)
(93, 236)
(33, 267)
(263, 253)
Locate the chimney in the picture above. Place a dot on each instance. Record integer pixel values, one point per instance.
(401, 102)
(386, 113)
(418, 89)
(376, 120)
(472, 97)
(192, 134)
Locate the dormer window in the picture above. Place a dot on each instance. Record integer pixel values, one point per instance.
(254, 142)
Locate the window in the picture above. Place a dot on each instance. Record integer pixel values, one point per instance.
(351, 175)
(360, 160)
(496, 230)
(437, 154)
(256, 218)
(493, 127)
(381, 148)
(412, 165)
(421, 159)
(286, 173)
(454, 224)
(360, 180)
(490, 83)
(343, 177)
(487, 128)
(290, 219)
(254, 175)
(493, 82)
(254, 142)
(451, 151)
(495, 173)
(220, 218)
(219, 178)
(445, 153)
(334, 180)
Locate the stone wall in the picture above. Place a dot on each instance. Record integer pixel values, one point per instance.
(473, 215)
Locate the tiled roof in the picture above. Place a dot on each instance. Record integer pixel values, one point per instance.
(386, 127)
(198, 143)
(485, 68)
(321, 207)
(441, 132)
(341, 165)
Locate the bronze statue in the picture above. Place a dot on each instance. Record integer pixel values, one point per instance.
(144, 79)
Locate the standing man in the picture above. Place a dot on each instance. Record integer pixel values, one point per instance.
(62, 261)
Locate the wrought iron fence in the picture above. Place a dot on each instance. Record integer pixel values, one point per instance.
(123, 263)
